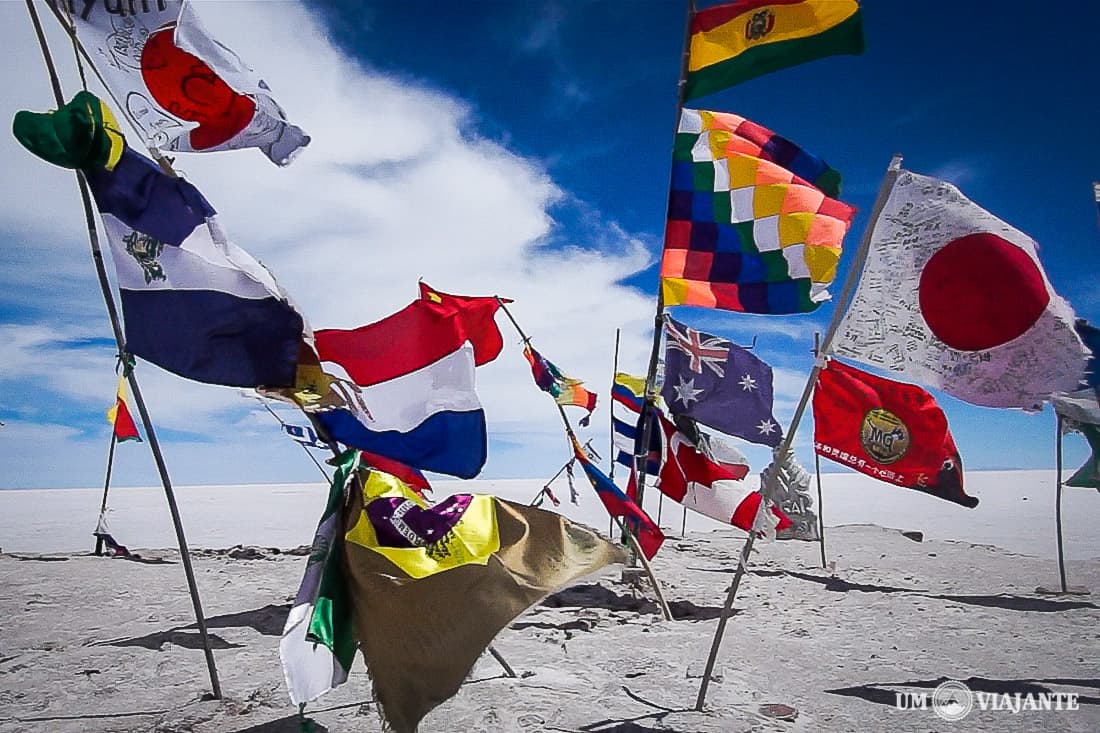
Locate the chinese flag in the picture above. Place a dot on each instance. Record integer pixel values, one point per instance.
(893, 431)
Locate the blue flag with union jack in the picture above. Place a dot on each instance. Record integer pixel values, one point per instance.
(719, 384)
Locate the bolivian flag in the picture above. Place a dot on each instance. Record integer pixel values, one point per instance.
(741, 40)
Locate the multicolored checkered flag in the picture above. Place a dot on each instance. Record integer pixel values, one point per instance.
(746, 231)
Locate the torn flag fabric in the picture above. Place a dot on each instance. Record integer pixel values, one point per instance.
(431, 586)
(183, 90)
(956, 299)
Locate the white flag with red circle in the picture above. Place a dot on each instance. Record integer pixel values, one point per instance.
(182, 89)
(956, 299)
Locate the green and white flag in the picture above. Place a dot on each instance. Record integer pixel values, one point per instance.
(1088, 475)
(318, 644)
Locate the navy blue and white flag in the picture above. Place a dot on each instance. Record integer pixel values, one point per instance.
(305, 436)
(193, 302)
(719, 384)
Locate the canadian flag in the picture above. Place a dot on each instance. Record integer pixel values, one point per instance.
(716, 488)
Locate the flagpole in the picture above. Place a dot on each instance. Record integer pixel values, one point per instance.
(106, 486)
(1058, 501)
(1096, 195)
(611, 417)
(622, 526)
(650, 398)
(282, 424)
(817, 470)
(854, 272)
(112, 312)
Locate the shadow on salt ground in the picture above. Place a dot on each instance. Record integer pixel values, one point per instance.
(268, 620)
(173, 636)
(90, 716)
(630, 725)
(883, 693)
(597, 596)
(289, 724)
(1018, 603)
(836, 585)
(1000, 600)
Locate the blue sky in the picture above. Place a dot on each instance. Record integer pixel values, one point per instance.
(523, 149)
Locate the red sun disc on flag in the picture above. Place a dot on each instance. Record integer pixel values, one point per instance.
(186, 87)
(981, 291)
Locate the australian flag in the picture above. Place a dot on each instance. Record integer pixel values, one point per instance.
(719, 384)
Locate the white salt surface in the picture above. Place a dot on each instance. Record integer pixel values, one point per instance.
(1016, 513)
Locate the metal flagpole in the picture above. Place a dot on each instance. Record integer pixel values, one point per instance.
(112, 312)
(1058, 501)
(854, 272)
(573, 439)
(817, 470)
(106, 486)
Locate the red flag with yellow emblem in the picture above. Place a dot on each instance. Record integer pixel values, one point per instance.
(892, 431)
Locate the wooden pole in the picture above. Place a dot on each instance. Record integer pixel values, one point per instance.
(817, 471)
(854, 271)
(282, 424)
(820, 509)
(1058, 501)
(106, 486)
(573, 439)
(684, 523)
(611, 417)
(112, 312)
(649, 403)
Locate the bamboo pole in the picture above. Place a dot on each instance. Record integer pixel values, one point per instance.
(820, 509)
(849, 285)
(1058, 502)
(611, 418)
(112, 312)
(650, 402)
(817, 471)
(573, 439)
(106, 486)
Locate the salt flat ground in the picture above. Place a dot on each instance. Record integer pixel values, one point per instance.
(97, 644)
(1016, 512)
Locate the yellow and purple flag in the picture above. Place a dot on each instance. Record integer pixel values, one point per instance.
(746, 232)
(431, 586)
(737, 41)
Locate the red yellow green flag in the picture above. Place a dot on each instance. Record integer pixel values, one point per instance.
(737, 41)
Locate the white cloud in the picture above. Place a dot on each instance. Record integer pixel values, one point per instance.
(395, 185)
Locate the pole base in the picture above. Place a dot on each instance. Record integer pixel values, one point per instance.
(1071, 590)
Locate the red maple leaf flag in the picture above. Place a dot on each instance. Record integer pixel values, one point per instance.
(892, 431)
